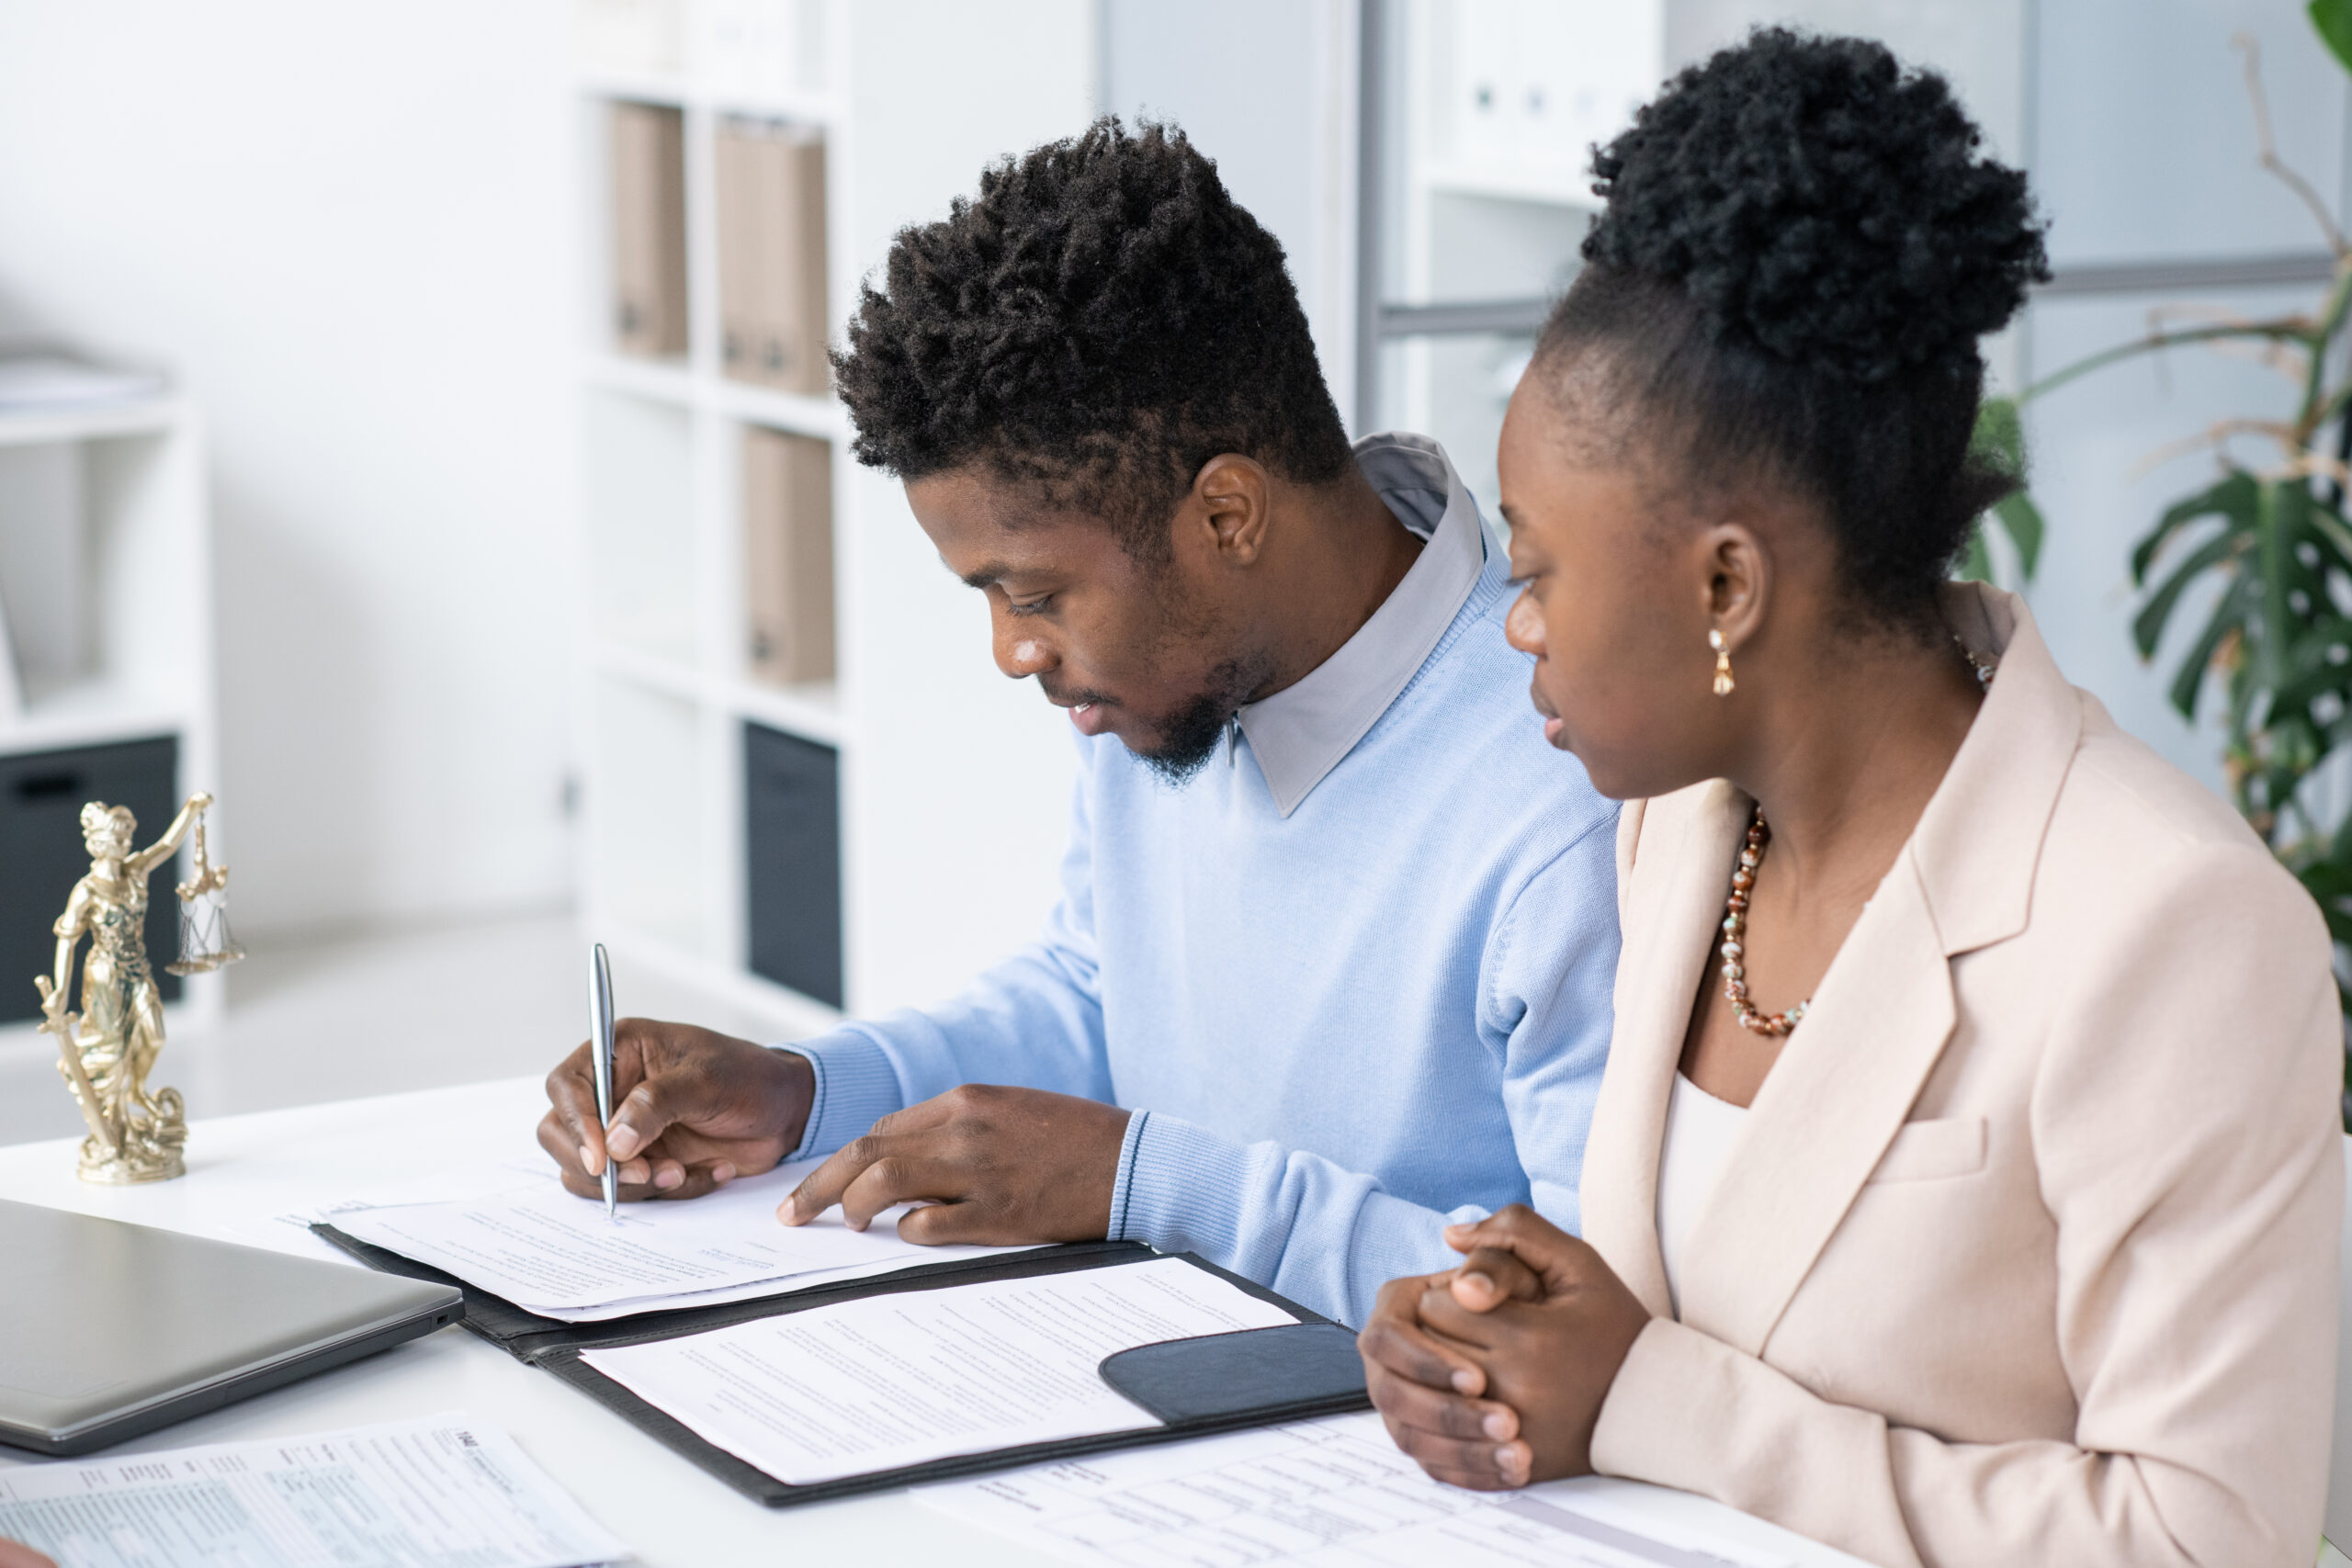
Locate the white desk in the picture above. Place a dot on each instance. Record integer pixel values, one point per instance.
(244, 1170)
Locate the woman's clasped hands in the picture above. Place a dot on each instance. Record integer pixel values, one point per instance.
(1492, 1374)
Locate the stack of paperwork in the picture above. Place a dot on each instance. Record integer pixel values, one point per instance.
(446, 1491)
(513, 1230)
(1337, 1494)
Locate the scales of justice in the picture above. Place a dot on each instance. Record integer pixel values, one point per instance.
(107, 1049)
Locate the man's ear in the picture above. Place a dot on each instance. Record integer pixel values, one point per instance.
(1229, 509)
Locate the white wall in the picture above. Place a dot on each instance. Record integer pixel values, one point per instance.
(1267, 89)
(345, 227)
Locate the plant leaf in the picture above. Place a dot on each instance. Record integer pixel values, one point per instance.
(2233, 499)
(2000, 435)
(2334, 20)
(2278, 510)
(2022, 519)
(2314, 672)
(2329, 524)
(2148, 625)
(1976, 561)
(1998, 442)
(2188, 680)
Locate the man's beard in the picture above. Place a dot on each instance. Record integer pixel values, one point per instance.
(1187, 739)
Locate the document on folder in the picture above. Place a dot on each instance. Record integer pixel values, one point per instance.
(518, 1234)
(1329, 1493)
(902, 1379)
(444, 1491)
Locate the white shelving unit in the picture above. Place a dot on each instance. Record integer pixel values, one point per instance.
(664, 689)
(108, 568)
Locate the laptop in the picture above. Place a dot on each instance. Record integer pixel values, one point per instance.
(108, 1330)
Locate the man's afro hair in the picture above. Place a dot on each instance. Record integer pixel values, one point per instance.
(1100, 323)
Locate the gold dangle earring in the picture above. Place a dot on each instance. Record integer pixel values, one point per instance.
(1723, 681)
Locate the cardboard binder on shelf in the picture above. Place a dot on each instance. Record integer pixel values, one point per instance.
(732, 146)
(794, 357)
(649, 216)
(770, 179)
(788, 557)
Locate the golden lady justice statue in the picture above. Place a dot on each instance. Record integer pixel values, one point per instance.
(107, 1049)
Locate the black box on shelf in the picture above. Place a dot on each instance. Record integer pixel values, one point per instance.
(792, 808)
(42, 857)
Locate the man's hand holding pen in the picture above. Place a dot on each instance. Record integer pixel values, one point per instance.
(697, 1109)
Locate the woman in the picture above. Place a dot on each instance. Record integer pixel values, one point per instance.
(1965, 1180)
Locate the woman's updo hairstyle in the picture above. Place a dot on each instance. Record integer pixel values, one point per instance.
(1801, 248)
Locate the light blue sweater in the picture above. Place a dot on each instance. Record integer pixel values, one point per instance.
(1340, 1029)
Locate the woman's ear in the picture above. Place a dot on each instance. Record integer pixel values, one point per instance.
(1736, 581)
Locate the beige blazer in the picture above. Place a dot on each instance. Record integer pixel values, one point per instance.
(2027, 1251)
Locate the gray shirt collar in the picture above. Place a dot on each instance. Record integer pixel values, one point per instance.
(1300, 733)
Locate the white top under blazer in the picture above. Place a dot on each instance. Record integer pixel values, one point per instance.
(1700, 1131)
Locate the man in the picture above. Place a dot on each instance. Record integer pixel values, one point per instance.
(1334, 955)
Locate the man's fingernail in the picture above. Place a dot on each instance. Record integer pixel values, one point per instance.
(588, 1161)
(1465, 1381)
(667, 1177)
(1507, 1459)
(1497, 1426)
(622, 1139)
(722, 1173)
(789, 1209)
(1479, 1282)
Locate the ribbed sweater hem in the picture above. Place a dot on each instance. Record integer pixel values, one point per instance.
(856, 1087)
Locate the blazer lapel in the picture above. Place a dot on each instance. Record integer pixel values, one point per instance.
(1877, 1024)
(1835, 1099)
(1879, 1020)
(1675, 894)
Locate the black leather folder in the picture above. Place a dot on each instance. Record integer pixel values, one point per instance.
(1218, 1383)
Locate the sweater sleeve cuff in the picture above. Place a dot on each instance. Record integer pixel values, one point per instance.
(856, 1087)
(1176, 1187)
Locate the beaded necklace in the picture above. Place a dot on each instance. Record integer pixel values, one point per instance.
(1743, 883)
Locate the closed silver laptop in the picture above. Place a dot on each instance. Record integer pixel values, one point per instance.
(108, 1330)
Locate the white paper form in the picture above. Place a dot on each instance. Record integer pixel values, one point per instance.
(900, 1379)
(1329, 1493)
(522, 1236)
(445, 1491)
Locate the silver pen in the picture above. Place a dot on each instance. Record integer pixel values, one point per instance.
(600, 1046)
